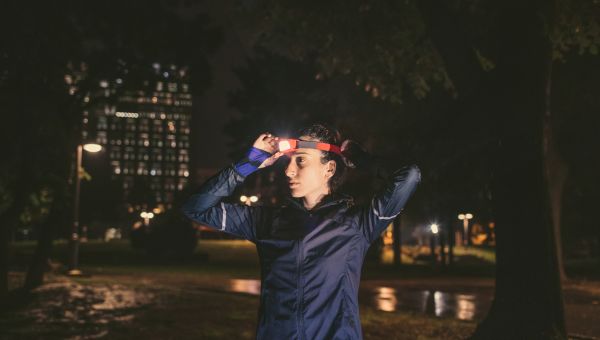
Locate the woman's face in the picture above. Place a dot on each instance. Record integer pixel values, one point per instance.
(306, 174)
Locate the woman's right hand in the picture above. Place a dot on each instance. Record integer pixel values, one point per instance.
(269, 143)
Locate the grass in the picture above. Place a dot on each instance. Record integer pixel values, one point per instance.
(235, 258)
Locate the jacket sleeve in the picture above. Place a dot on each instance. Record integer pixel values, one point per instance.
(206, 206)
(387, 204)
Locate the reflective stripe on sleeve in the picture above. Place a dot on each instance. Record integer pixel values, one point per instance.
(377, 213)
(224, 220)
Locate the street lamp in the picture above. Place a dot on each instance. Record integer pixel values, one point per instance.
(434, 228)
(248, 200)
(146, 216)
(73, 268)
(465, 218)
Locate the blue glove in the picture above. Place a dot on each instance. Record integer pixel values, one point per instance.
(254, 158)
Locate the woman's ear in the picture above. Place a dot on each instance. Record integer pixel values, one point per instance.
(330, 168)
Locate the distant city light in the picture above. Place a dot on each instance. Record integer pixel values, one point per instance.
(127, 114)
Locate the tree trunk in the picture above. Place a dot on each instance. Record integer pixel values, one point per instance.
(451, 242)
(39, 263)
(9, 220)
(528, 301)
(4, 244)
(556, 174)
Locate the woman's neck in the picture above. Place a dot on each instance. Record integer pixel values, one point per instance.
(312, 199)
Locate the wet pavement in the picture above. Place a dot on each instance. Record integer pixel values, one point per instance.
(77, 311)
(462, 306)
(467, 300)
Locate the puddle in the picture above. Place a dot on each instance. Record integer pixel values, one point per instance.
(461, 306)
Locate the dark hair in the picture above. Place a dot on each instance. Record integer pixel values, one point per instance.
(326, 134)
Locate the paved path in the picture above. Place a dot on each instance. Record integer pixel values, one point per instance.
(460, 298)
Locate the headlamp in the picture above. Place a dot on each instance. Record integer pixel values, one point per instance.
(289, 145)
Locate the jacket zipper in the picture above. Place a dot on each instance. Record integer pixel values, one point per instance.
(300, 293)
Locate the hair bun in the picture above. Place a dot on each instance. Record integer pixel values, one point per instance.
(354, 154)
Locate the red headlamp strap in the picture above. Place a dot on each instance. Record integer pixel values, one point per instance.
(288, 145)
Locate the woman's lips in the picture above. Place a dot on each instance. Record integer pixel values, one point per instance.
(293, 184)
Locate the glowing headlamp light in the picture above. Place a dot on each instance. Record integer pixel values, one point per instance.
(289, 145)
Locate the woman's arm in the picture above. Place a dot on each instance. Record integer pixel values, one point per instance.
(388, 203)
(206, 206)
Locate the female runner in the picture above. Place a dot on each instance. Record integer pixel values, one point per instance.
(312, 247)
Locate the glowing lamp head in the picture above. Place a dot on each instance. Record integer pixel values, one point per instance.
(243, 198)
(284, 145)
(434, 228)
(253, 199)
(90, 147)
(461, 216)
(469, 216)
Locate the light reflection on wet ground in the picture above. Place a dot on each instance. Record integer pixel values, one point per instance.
(431, 302)
(86, 311)
(461, 306)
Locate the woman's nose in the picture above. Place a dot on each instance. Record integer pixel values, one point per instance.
(290, 171)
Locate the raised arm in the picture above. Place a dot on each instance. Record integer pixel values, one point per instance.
(207, 206)
(388, 203)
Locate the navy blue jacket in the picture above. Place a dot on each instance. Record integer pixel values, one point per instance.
(310, 259)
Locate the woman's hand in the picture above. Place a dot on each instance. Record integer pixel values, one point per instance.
(269, 143)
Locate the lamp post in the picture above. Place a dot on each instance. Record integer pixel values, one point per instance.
(73, 267)
(435, 229)
(465, 218)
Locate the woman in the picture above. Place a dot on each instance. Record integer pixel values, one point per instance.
(311, 249)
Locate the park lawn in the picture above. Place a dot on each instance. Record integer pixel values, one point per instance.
(225, 259)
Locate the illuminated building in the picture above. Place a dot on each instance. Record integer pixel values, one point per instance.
(143, 121)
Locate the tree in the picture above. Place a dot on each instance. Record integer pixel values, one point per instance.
(495, 58)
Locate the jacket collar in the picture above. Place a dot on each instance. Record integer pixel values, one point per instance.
(327, 201)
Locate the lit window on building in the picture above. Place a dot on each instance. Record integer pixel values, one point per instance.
(170, 155)
(181, 184)
(101, 138)
(183, 170)
(102, 124)
(183, 155)
(141, 168)
(116, 166)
